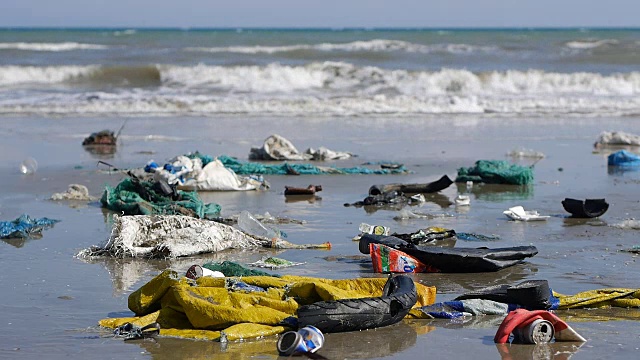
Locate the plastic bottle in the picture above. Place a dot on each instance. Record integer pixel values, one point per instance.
(251, 225)
(374, 229)
(29, 166)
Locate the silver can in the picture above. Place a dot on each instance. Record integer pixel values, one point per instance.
(538, 332)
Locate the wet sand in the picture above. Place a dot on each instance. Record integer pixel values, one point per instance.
(52, 301)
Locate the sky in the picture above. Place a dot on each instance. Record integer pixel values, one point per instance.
(320, 13)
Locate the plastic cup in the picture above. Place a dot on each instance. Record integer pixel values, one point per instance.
(29, 166)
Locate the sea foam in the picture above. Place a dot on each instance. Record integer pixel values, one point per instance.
(332, 88)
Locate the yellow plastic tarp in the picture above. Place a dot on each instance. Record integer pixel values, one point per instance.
(614, 297)
(207, 309)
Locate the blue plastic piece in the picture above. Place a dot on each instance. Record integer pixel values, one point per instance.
(623, 158)
(24, 227)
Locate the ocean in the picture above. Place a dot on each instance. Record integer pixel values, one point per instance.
(434, 100)
(344, 72)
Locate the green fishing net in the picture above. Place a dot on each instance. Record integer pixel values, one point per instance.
(496, 172)
(136, 197)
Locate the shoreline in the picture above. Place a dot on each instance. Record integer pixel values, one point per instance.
(67, 296)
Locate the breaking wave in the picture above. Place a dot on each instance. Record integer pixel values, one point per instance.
(589, 44)
(63, 46)
(332, 88)
(91, 75)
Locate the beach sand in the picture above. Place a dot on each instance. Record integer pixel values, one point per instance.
(51, 300)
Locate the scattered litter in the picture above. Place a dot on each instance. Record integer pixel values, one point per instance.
(371, 229)
(274, 263)
(405, 214)
(464, 308)
(525, 153)
(300, 169)
(196, 272)
(449, 260)
(25, 227)
(374, 229)
(130, 331)
(309, 190)
(623, 158)
(75, 192)
(206, 311)
(496, 172)
(233, 269)
(253, 226)
(462, 200)
(589, 208)
(388, 260)
(533, 327)
(599, 298)
(530, 294)
(425, 188)
(165, 236)
(617, 138)
(133, 196)
(276, 147)
(170, 236)
(426, 236)
(476, 237)
(390, 198)
(307, 340)
(104, 137)
(190, 173)
(29, 166)
(629, 224)
(520, 214)
(266, 218)
(634, 250)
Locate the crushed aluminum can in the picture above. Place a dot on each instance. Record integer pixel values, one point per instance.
(538, 332)
(306, 340)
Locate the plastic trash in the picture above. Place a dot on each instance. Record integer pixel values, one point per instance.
(463, 200)
(25, 227)
(518, 213)
(374, 229)
(251, 225)
(196, 271)
(29, 166)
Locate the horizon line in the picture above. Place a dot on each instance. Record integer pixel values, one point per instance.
(328, 28)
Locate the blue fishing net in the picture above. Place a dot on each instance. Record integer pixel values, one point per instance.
(247, 168)
(24, 227)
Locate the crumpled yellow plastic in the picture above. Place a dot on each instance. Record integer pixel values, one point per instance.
(207, 309)
(613, 297)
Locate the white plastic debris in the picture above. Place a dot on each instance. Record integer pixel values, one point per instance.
(520, 214)
(462, 200)
(617, 138)
(276, 147)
